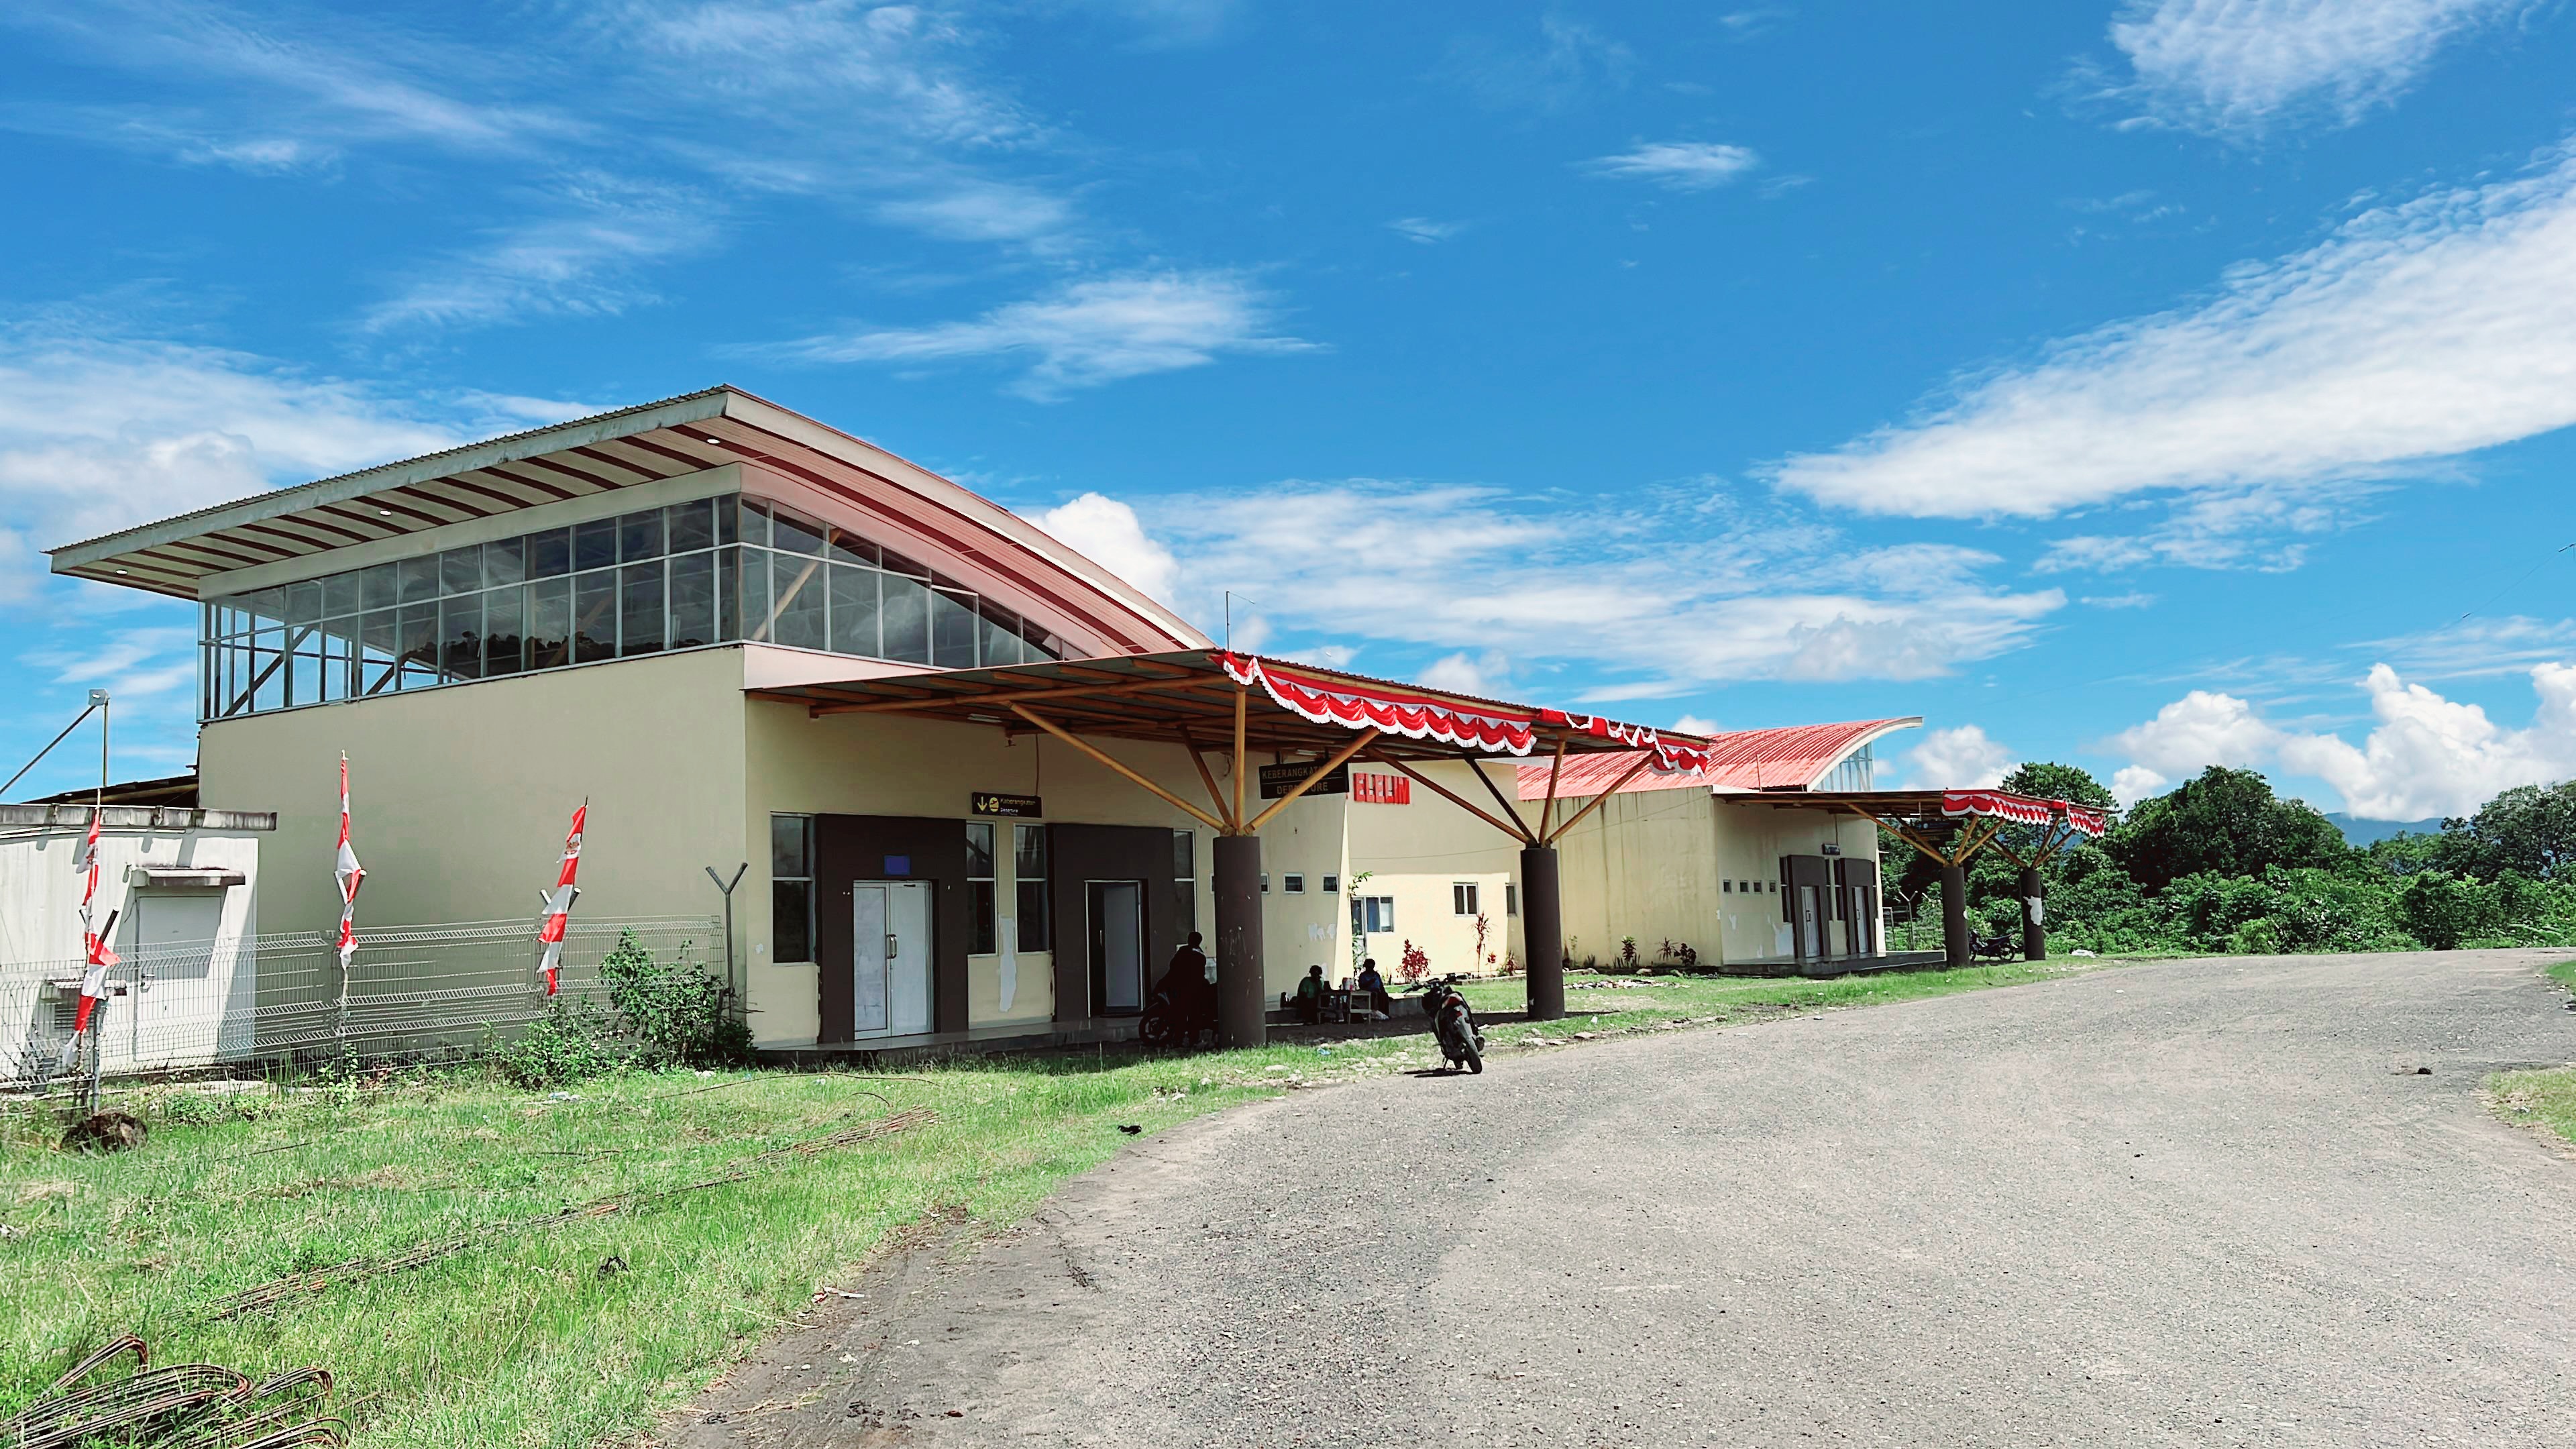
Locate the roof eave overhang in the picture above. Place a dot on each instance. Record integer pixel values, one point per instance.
(93, 558)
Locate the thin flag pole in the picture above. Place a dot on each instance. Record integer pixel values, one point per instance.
(350, 875)
(558, 902)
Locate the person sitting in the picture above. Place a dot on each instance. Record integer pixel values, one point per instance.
(1310, 996)
(1375, 985)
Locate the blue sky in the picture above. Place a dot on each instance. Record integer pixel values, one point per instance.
(2144, 383)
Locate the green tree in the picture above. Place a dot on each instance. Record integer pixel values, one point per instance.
(2223, 823)
(2529, 829)
(2047, 781)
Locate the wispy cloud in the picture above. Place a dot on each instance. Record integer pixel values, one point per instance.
(2413, 335)
(1661, 594)
(1571, 63)
(2237, 67)
(1679, 165)
(1087, 333)
(582, 259)
(1424, 230)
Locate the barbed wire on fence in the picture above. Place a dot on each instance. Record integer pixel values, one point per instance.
(410, 992)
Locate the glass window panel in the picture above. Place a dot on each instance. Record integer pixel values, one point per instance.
(1000, 644)
(791, 918)
(980, 896)
(505, 562)
(1184, 854)
(550, 624)
(268, 606)
(594, 617)
(594, 545)
(793, 532)
(1029, 851)
(460, 637)
(904, 612)
(692, 525)
(854, 611)
(340, 594)
(460, 570)
(728, 520)
(1185, 908)
(728, 593)
(416, 632)
(339, 657)
(639, 609)
(754, 516)
(1033, 645)
(1033, 915)
(376, 587)
(801, 591)
(505, 629)
(790, 845)
(979, 848)
(639, 536)
(755, 594)
(304, 603)
(847, 547)
(267, 686)
(895, 563)
(377, 652)
(693, 600)
(952, 631)
(416, 579)
(549, 553)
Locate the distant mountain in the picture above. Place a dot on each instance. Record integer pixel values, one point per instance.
(2362, 832)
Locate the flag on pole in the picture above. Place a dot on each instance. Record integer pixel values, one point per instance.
(93, 949)
(349, 873)
(550, 932)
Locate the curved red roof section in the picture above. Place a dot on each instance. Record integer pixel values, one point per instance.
(1792, 757)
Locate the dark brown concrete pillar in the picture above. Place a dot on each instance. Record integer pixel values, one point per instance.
(1954, 915)
(1242, 992)
(2034, 917)
(1543, 932)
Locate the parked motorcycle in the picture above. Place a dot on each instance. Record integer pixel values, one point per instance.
(1462, 1042)
(1184, 1020)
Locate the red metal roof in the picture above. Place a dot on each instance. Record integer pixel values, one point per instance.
(1790, 758)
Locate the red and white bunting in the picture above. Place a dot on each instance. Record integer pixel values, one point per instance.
(349, 873)
(1497, 729)
(550, 932)
(2025, 810)
(94, 952)
(2086, 821)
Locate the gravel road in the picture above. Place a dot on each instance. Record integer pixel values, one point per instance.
(2198, 1203)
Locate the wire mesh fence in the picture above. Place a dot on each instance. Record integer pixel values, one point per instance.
(409, 992)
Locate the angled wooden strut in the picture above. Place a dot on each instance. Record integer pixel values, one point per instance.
(1519, 832)
(1086, 747)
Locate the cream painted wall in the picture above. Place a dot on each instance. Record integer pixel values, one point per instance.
(890, 765)
(1642, 865)
(1752, 838)
(1310, 927)
(1426, 914)
(1432, 840)
(461, 795)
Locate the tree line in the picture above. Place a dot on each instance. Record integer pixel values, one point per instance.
(2224, 864)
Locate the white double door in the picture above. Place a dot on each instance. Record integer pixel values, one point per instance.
(890, 957)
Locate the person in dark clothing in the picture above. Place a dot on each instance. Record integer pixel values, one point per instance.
(1191, 980)
(1375, 985)
(1310, 996)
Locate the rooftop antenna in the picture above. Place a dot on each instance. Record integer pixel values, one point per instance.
(97, 702)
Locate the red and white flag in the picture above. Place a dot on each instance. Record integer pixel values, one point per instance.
(550, 931)
(349, 873)
(93, 949)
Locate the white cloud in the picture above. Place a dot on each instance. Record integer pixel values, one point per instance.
(1959, 758)
(1680, 165)
(1106, 531)
(2426, 755)
(2130, 600)
(1424, 230)
(1692, 724)
(2414, 334)
(2236, 66)
(1573, 63)
(581, 261)
(2133, 783)
(1652, 596)
(1487, 674)
(130, 664)
(1087, 333)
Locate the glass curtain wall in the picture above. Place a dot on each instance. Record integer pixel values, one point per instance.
(712, 571)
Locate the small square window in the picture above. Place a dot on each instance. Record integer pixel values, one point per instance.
(1726, 886)
(1332, 884)
(1265, 882)
(1295, 885)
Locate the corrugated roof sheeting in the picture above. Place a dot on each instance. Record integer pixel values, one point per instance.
(1788, 758)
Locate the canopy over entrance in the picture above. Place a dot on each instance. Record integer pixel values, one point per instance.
(1949, 827)
(1236, 704)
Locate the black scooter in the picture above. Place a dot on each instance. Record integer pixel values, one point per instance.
(1454, 1026)
(1186, 1021)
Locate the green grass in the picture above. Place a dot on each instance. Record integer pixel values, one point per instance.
(2544, 1098)
(520, 1339)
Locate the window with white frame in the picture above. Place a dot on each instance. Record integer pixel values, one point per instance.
(1462, 898)
(1372, 915)
(1293, 884)
(791, 888)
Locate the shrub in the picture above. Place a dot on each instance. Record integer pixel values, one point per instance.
(2441, 910)
(569, 1043)
(675, 1015)
(1415, 963)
